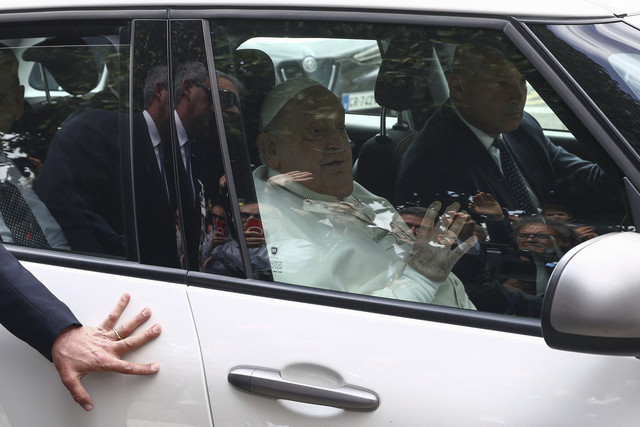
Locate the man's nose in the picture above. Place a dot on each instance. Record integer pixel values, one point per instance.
(518, 91)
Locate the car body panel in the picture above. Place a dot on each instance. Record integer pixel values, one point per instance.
(175, 395)
(424, 372)
(424, 364)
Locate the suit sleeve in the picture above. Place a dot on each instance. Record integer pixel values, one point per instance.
(28, 309)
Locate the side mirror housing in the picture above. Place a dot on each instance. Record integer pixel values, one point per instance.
(592, 303)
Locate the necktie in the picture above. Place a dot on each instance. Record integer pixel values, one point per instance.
(24, 227)
(163, 173)
(514, 179)
(187, 155)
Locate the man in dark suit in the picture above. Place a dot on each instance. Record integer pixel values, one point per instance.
(36, 316)
(194, 118)
(153, 177)
(458, 153)
(81, 182)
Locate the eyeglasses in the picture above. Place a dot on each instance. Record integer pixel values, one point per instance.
(207, 89)
(535, 236)
(228, 99)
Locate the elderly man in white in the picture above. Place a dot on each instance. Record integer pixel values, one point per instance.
(324, 230)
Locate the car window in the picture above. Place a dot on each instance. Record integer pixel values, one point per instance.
(346, 66)
(539, 109)
(607, 69)
(211, 209)
(535, 183)
(67, 87)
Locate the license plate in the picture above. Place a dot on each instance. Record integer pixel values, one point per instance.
(359, 101)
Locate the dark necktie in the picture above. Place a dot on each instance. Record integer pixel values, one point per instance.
(187, 155)
(514, 179)
(163, 172)
(24, 227)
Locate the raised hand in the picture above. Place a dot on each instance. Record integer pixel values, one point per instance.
(486, 205)
(432, 255)
(586, 232)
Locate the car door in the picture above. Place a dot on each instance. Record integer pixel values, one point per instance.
(76, 74)
(297, 354)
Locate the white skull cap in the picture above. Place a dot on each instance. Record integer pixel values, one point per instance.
(280, 95)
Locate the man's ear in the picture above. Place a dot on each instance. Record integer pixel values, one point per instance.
(187, 85)
(268, 148)
(19, 102)
(158, 88)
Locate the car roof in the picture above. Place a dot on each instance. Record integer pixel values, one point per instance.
(568, 9)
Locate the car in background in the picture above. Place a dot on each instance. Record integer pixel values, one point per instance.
(239, 348)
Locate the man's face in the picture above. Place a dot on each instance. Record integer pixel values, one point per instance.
(413, 221)
(492, 98)
(314, 140)
(555, 214)
(228, 93)
(196, 108)
(536, 237)
(11, 98)
(249, 211)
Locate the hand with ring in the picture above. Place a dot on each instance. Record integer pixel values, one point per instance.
(432, 254)
(80, 350)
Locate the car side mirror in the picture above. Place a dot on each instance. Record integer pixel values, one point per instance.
(592, 303)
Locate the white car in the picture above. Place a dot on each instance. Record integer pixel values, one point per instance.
(554, 335)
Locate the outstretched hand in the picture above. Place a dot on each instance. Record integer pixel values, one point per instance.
(432, 255)
(486, 205)
(80, 350)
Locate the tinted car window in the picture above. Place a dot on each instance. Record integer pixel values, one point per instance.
(69, 176)
(321, 232)
(603, 58)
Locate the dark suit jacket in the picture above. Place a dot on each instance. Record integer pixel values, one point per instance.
(447, 162)
(27, 308)
(155, 207)
(81, 181)
(191, 211)
(81, 184)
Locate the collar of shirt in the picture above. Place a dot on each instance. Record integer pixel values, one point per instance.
(368, 208)
(9, 172)
(153, 130)
(183, 138)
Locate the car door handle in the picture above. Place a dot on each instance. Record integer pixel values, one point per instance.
(269, 382)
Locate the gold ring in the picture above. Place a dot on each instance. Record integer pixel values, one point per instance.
(115, 331)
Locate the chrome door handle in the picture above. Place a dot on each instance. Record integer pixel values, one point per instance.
(269, 382)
